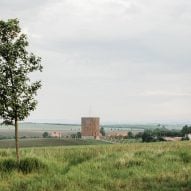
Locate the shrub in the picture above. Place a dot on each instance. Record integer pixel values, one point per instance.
(130, 135)
(28, 165)
(79, 135)
(102, 131)
(45, 135)
(8, 165)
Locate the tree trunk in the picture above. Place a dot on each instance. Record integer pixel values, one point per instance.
(16, 139)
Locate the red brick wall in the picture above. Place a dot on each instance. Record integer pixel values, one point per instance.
(90, 126)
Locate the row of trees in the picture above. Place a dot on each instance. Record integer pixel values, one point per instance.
(158, 134)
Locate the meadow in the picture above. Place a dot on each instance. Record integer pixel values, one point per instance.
(115, 167)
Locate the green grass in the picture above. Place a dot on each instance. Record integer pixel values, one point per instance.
(134, 167)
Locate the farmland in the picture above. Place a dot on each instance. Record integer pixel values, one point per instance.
(116, 167)
(37, 129)
(34, 130)
(47, 142)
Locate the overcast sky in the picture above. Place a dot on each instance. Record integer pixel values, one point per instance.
(121, 60)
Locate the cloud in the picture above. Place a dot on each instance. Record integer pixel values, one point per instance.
(166, 94)
(129, 59)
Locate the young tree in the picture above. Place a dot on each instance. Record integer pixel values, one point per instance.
(17, 92)
(130, 135)
(186, 130)
(79, 135)
(45, 135)
(102, 131)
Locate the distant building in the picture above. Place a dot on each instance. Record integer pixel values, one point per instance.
(172, 138)
(115, 134)
(189, 136)
(56, 134)
(90, 127)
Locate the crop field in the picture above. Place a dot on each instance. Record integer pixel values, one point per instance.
(116, 167)
(37, 129)
(47, 142)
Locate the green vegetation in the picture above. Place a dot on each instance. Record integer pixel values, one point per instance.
(139, 166)
(45, 135)
(157, 134)
(130, 135)
(102, 131)
(17, 92)
(76, 135)
(25, 166)
(186, 130)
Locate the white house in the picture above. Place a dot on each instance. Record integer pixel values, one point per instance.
(189, 136)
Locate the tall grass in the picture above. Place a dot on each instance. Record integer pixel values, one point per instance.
(153, 166)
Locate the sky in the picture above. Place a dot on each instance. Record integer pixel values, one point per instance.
(126, 61)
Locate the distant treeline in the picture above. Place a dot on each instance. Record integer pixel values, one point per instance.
(158, 134)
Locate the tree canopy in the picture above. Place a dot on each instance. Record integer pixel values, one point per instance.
(17, 92)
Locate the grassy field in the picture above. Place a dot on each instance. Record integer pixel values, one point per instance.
(136, 167)
(48, 142)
